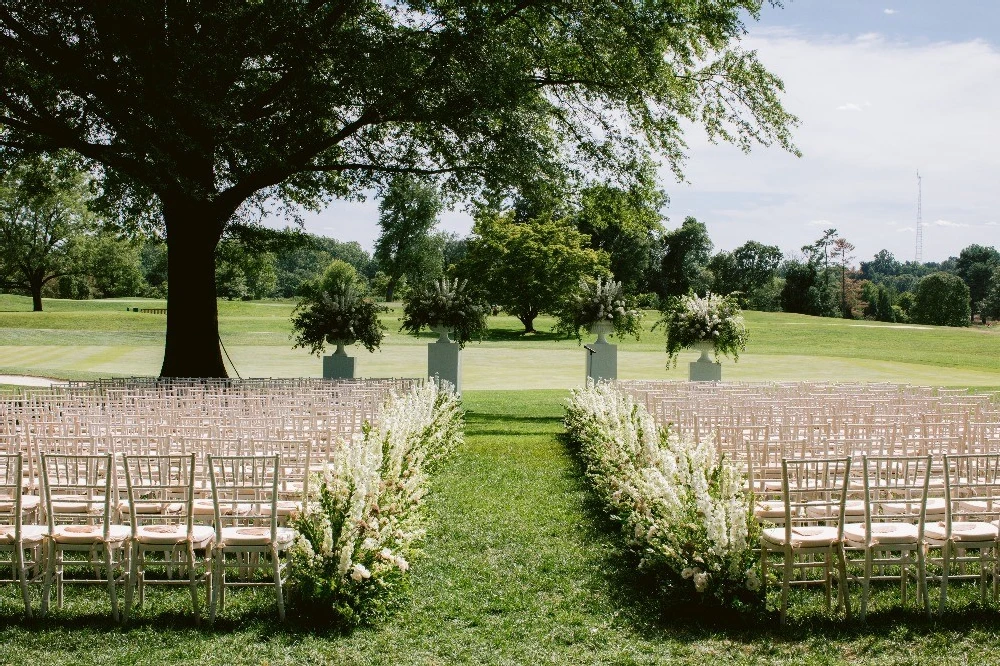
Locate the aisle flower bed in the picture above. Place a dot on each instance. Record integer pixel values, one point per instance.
(364, 519)
(682, 510)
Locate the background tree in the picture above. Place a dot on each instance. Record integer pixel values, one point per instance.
(975, 265)
(884, 264)
(942, 299)
(687, 251)
(991, 304)
(241, 274)
(407, 214)
(205, 109)
(114, 266)
(530, 267)
(750, 270)
(841, 250)
(625, 223)
(43, 220)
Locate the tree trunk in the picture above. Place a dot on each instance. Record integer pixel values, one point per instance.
(192, 345)
(528, 319)
(390, 288)
(36, 296)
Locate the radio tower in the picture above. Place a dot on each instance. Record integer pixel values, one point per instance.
(920, 222)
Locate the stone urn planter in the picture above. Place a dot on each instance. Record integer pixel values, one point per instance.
(602, 357)
(339, 365)
(705, 369)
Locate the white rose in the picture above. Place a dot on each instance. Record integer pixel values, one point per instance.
(700, 581)
(402, 563)
(687, 572)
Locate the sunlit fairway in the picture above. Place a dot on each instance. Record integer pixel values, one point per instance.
(86, 339)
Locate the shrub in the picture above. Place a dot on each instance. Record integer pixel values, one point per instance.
(942, 299)
(363, 519)
(682, 510)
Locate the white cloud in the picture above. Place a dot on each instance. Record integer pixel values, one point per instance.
(909, 229)
(924, 108)
(992, 224)
(819, 223)
(850, 106)
(948, 223)
(890, 12)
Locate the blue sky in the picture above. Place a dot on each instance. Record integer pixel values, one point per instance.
(882, 89)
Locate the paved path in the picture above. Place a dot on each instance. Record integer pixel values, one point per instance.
(27, 380)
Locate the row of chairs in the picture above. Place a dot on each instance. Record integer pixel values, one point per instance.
(888, 518)
(85, 523)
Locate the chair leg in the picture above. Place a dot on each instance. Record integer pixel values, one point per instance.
(786, 583)
(216, 594)
(47, 578)
(193, 583)
(131, 582)
(276, 568)
(922, 580)
(112, 586)
(866, 584)
(843, 592)
(22, 576)
(945, 555)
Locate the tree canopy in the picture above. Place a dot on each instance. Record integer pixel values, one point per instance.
(529, 267)
(407, 214)
(206, 111)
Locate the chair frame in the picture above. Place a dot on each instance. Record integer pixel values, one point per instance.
(96, 509)
(12, 534)
(828, 488)
(167, 480)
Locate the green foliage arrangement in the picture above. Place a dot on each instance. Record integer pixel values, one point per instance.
(335, 311)
(599, 301)
(448, 303)
(681, 507)
(716, 319)
(360, 527)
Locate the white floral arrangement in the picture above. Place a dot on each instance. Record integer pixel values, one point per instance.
(360, 526)
(715, 319)
(597, 301)
(682, 509)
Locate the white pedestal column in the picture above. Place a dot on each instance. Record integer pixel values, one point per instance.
(339, 365)
(444, 360)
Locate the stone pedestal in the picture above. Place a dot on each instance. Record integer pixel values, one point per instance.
(704, 369)
(602, 361)
(338, 366)
(444, 361)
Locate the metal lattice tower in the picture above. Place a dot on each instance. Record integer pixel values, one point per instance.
(920, 221)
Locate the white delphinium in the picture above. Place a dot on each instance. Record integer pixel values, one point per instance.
(680, 505)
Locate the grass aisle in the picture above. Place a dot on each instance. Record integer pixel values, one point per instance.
(519, 569)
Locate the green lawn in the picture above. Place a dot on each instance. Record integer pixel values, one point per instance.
(519, 568)
(86, 339)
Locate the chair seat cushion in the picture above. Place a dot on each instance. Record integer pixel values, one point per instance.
(201, 535)
(255, 536)
(979, 506)
(28, 503)
(935, 507)
(769, 510)
(30, 534)
(967, 531)
(810, 536)
(882, 533)
(81, 534)
(285, 508)
(206, 507)
(851, 508)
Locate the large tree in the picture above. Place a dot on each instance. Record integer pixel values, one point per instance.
(43, 221)
(206, 108)
(687, 251)
(625, 223)
(528, 267)
(407, 214)
(750, 270)
(942, 299)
